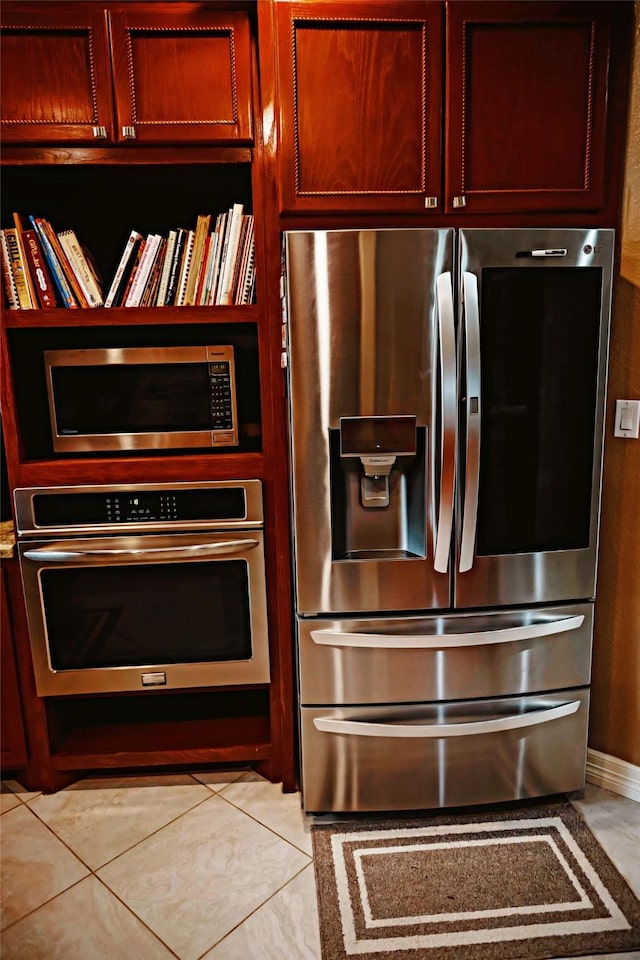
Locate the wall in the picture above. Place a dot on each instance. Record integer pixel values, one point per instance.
(615, 706)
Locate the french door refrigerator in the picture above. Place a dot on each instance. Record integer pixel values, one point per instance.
(446, 394)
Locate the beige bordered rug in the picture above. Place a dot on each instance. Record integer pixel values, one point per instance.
(531, 883)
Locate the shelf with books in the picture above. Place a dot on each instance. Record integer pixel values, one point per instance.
(74, 207)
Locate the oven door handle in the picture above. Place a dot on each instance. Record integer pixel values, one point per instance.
(440, 641)
(88, 555)
(371, 728)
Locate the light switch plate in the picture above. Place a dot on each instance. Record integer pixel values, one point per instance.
(627, 422)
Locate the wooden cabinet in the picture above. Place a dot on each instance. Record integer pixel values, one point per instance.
(526, 122)
(151, 73)
(13, 750)
(360, 87)
(183, 76)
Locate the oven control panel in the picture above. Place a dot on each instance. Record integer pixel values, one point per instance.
(76, 509)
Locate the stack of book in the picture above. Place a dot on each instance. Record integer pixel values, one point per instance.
(212, 263)
(42, 268)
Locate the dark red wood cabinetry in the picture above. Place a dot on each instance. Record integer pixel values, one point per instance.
(526, 119)
(183, 77)
(360, 100)
(13, 749)
(135, 72)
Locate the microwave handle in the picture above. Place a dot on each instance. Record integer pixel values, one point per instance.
(50, 555)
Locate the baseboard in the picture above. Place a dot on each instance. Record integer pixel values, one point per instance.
(613, 774)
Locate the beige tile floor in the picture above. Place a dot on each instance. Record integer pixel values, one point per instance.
(209, 866)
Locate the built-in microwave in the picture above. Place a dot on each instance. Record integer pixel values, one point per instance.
(137, 398)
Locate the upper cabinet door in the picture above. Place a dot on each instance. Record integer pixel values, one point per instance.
(55, 74)
(526, 105)
(360, 105)
(182, 73)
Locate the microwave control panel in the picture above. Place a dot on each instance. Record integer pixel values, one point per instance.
(222, 396)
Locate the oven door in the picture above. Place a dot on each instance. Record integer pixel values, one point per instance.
(142, 612)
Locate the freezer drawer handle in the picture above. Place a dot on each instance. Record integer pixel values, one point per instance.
(449, 420)
(88, 555)
(335, 638)
(364, 728)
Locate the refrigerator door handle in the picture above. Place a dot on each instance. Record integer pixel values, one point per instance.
(471, 312)
(364, 728)
(528, 631)
(448, 421)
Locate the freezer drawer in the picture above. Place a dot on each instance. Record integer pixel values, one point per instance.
(453, 657)
(442, 755)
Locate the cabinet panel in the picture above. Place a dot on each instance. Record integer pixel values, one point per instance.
(56, 73)
(527, 101)
(360, 89)
(182, 74)
(14, 751)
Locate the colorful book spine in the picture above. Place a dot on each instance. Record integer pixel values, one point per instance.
(151, 246)
(221, 230)
(64, 289)
(163, 286)
(224, 293)
(18, 267)
(174, 272)
(8, 279)
(81, 268)
(200, 236)
(114, 294)
(184, 267)
(63, 260)
(20, 224)
(42, 282)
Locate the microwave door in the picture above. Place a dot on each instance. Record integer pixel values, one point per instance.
(533, 313)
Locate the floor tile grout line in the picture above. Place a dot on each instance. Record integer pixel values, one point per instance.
(256, 909)
(266, 826)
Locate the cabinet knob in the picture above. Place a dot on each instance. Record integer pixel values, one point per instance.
(129, 133)
(100, 133)
(430, 202)
(459, 202)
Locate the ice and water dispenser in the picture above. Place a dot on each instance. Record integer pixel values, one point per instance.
(378, 488)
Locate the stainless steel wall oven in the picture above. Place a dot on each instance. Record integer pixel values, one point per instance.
(145, 586)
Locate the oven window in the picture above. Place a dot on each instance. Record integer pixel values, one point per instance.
(148, 614)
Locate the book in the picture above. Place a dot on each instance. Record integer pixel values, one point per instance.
(132, 272)
(81, 267)
(42, 281)
(120, 277)
(184, 268)
(207, 270)
(195, 266)
(176, 260)
(163, 285)
(241, 258)
(60, 281)
(221, 228)
(144, 268)
(46, 228)
(21, 225)
(231, 251)
(8, 279)
(18, 268)
(203, 271)
(248, 283)
(150, 292)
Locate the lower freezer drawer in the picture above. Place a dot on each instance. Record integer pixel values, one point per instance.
(426, 756)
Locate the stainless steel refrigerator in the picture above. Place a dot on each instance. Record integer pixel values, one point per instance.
(447, 394)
